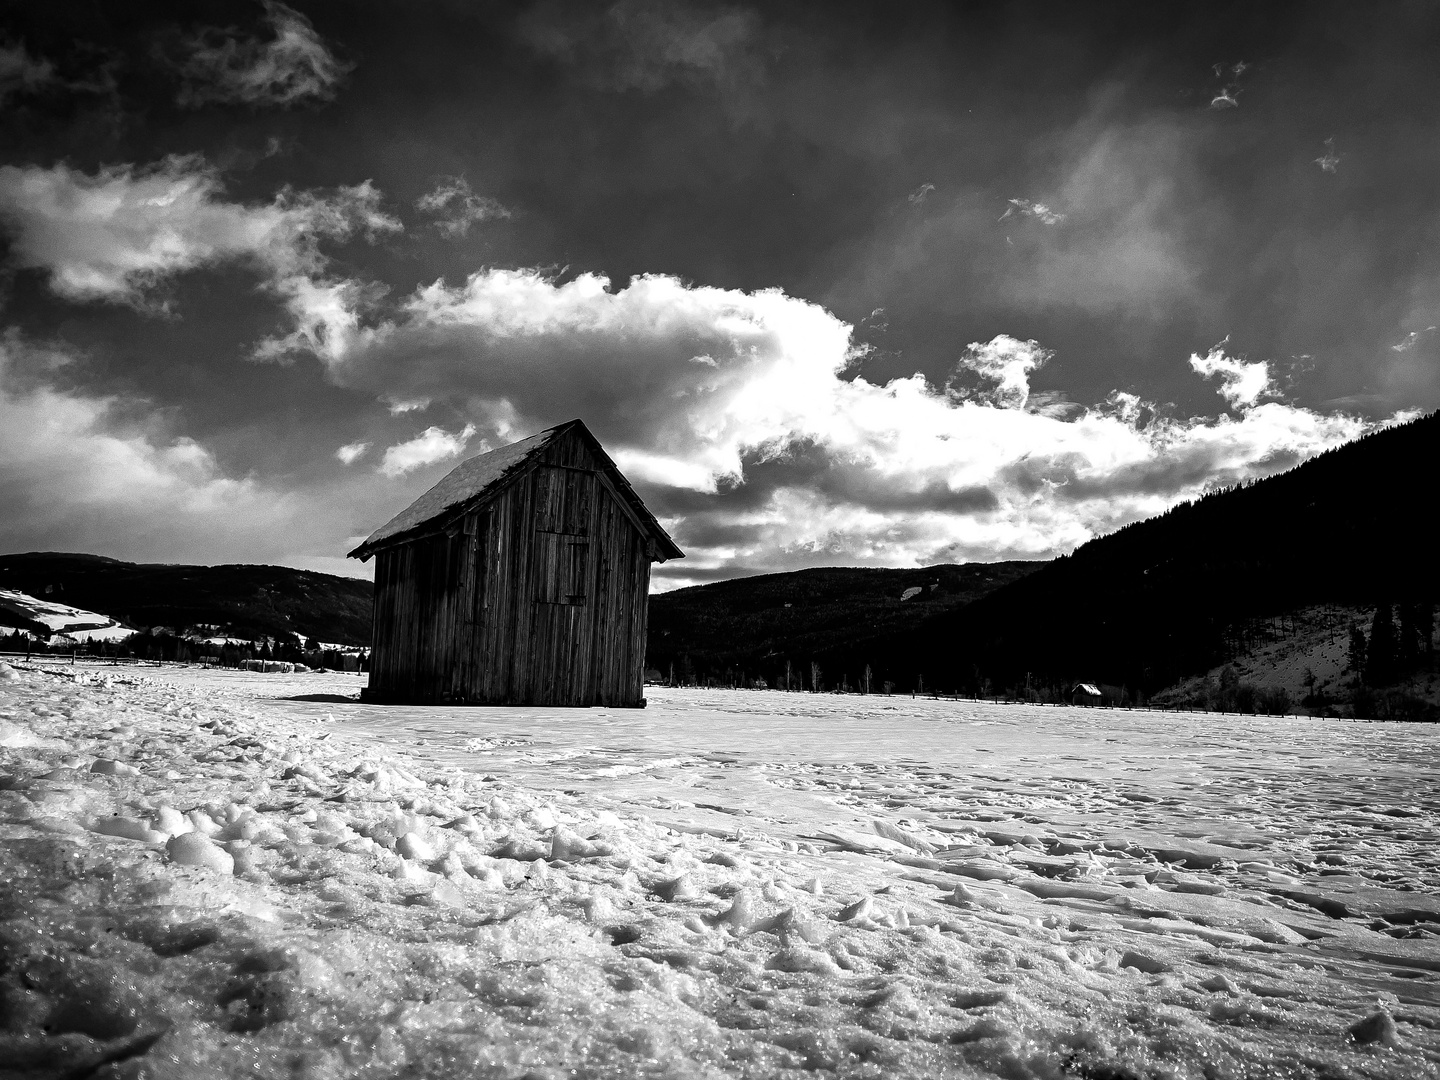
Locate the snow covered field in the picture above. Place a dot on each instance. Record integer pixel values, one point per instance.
(199, 877)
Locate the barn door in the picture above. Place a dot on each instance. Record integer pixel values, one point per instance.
(562, 577)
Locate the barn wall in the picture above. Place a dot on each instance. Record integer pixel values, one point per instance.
(418, 592)
(540, 597)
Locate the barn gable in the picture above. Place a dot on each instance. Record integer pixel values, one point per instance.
(522, 577)
(480, 479)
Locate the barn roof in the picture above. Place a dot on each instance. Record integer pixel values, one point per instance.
(1089, 689)
(473, 481)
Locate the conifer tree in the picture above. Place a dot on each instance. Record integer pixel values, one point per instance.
(1356, 659)
(1380, 653)
(1407, 643)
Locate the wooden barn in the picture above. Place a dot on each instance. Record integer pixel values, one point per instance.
(521, 578)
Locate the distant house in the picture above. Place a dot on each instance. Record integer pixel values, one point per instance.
(521, 578)
(1085, 694)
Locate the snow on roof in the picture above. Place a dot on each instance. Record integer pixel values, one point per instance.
(464, 482)
(491, 471)
(1087, 688)
(33, 613)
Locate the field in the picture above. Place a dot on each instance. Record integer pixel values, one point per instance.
(723, 884)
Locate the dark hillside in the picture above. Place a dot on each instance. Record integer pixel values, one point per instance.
(750, 627)
(245, 601)
(1163, 598)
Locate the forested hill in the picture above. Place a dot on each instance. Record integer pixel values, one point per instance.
(1156, 600)
(242, 600)
(749, 627)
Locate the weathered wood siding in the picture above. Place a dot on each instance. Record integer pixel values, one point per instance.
(538, 596)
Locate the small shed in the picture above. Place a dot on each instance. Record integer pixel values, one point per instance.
(521, 578)
(1086, 694)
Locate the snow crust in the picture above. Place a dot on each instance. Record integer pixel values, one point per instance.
(242, 874)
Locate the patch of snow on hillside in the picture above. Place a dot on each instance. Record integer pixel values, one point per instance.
(60, 618)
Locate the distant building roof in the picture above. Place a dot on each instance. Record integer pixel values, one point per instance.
(472, 481)
(1087, 688)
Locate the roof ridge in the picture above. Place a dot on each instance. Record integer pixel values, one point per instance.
(487, 472)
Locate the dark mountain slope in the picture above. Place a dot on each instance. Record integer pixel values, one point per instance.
(754, 625)
(1161, 599)
(246, 601)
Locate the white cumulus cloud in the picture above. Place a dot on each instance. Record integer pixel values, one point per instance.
(767, 454)
(352, 452)
(431, 445)
(117, 234)
(1008, 362)
(1241, 383)
(73, 477)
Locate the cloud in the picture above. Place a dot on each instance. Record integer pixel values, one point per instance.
(293, 66)
(1241, 384)
(352, 452)
(21, 73)
(75, 477)
(1411, 340)
(431, 445)
(115, 235)
(734, 414)
(1329, 161)
(455, 207)
(1007, 361)
(919, 195)
(1038, 211)
(1227, 97)
(648, 45)
(1129, 246)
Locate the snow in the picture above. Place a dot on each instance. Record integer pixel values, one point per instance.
(73, 622)
(113, 632)
(281, 882)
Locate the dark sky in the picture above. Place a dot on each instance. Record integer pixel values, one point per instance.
(863, 284)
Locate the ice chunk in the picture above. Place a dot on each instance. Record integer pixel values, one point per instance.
(129, 829)
(899, 835)
(849, 840)
(674, 889)
(741, 912)
(567, 846)
(111, 767)
(170, 821)
(414, 846)
(983, 869)
(1142, 962)
(15, 737)
(800, 959)
(196, 849)
(1378, 1027)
